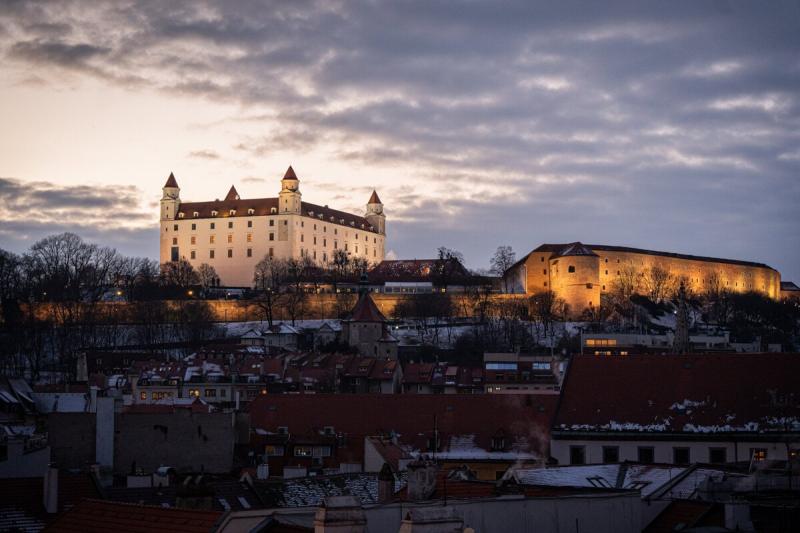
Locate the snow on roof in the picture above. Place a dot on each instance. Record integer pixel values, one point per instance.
(61, 402)
(570, 476)
(311, 491)
(648, 478)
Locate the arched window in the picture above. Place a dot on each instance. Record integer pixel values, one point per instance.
(571, 269)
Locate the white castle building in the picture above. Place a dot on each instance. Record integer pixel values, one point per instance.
(234, 234)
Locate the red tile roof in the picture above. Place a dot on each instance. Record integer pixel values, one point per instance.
(414, 270)
(97, 516)
(171, 181)
(682, 393)
(410, 416)
(366, 310)
(290, 175)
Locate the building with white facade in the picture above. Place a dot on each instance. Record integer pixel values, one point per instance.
(234, 234)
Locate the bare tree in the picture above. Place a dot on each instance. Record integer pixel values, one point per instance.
(658, 283)
(180, 274)
(449, 265)
(208, 277)
(268, 280)
(501, 261)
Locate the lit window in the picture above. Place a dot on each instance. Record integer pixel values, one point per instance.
(194, 239)
(211, 239)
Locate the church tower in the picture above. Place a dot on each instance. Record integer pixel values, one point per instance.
(375, 214)
(171, 199)
(289, 197)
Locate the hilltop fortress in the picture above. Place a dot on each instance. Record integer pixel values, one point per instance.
(234, 234)
(580, 273)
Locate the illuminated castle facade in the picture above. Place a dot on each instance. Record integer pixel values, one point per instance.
(580, 273)
(234, 234)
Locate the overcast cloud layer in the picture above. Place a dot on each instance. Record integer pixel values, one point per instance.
(668, 125)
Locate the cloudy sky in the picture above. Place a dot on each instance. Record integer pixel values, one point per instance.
(666, 125)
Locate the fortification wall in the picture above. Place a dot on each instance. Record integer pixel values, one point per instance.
(317, 306)
(697, 274)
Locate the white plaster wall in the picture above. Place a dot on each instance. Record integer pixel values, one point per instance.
(663, 450)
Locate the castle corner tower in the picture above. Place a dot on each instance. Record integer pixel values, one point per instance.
(171, 198)
(290, 197)
(375, 214)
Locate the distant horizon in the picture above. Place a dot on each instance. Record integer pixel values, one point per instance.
(647, 125)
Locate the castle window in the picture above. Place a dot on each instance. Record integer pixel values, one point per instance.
(285, 222)
(175, 227)
(545, 284)
(302, 224)
(542, 258)
(195, 214)
(324, 242)
(606, 259)
(315, 240)
(273, 210)
(271, 252)
(230, 252)
(272, 236)
(230, 238)
(249, 223)
(193, 254)
(194, 239)
(604, 287)
(249, 252)
(211, 239)
(271, 222)
(230, 225)
(211, 254)
(606, 272)
(232, 212)
(302, 238)
(251, 211)
(212, 225)
(213, 213)
(571, 269)
(180, 215)
(249, 237)
(194, 226)
(544, 271)
(174, 240)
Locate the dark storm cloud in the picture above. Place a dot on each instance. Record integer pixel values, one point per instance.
(654, 124)
(30, 207)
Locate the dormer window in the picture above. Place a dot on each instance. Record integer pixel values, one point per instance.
(311, 213)
(195, 214)
(180, 215)
(352, 223)
(251, 211)
(332, 219)
(320, 216)
(273, 210)
(214, 213)
(232, 212)
(362, 226)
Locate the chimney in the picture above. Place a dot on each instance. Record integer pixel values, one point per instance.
(431, 520)
(385, 484)
(340, 514)
(50, 490)
(421, 480)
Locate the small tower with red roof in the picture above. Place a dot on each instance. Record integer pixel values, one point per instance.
(171, 198)
(375, 214)
(290, 197)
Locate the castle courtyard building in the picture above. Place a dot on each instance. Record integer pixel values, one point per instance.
(234, 234)
(580, 273)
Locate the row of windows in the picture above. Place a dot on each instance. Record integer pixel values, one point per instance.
(681, 455)
(213, 225)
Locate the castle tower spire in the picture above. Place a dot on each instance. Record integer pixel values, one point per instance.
(170, 199)
(290, 196)
(374, 214)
